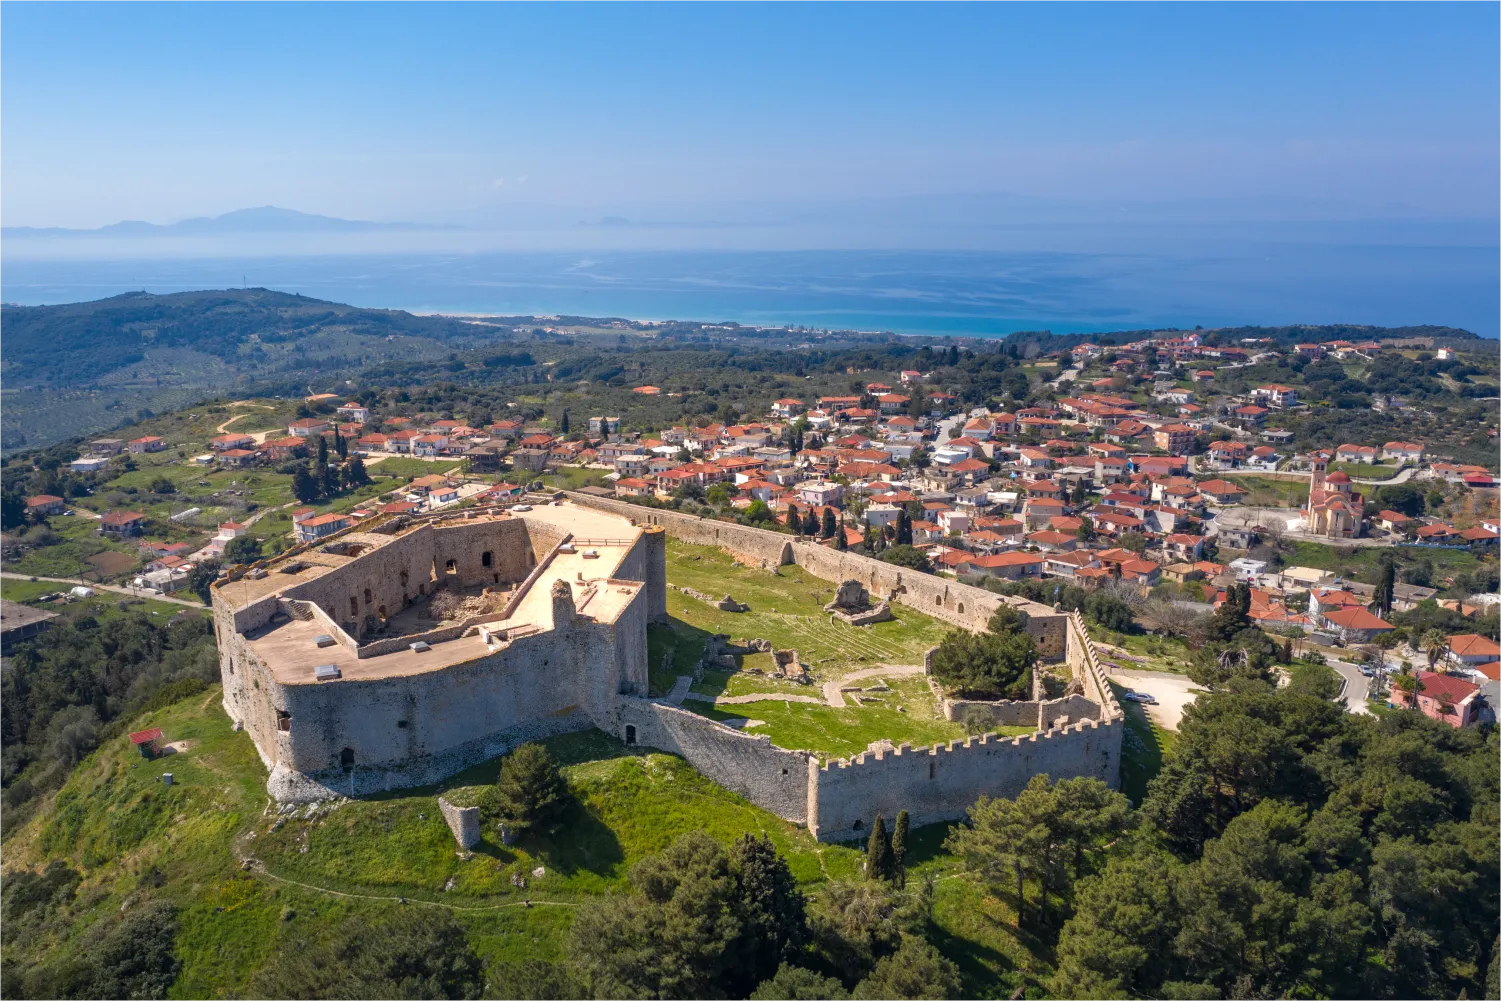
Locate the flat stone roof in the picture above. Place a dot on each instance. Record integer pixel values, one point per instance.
(601, 542)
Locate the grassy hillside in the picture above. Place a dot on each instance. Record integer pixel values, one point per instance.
(82, 368)
(132, 839)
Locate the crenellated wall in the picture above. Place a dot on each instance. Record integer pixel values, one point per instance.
(942, 782)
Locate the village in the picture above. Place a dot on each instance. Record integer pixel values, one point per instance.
(1139, 475)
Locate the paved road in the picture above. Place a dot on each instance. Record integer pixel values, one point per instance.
(117, 589)
(1357, 686)
(1067, 375)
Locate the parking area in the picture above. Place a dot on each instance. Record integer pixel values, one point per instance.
(1172, 692)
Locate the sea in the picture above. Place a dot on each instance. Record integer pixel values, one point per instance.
(940, 293)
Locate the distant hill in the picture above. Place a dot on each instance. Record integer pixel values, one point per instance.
(84, 367)
(266, 219)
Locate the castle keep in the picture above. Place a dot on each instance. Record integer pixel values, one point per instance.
(400, 653)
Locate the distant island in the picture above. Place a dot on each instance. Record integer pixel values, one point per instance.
(265, 219)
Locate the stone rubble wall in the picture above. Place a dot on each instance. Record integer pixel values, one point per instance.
(463, 821)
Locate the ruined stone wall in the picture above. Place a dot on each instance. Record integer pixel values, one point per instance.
(383, 581)
(1001, 712)
(770, 777)
(509, 541)
(463, 821)
(942, 782)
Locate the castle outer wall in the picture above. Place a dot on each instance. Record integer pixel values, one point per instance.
(933, 784)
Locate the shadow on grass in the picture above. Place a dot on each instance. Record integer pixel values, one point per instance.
(1141, 753)
(566, 749)
(684, 642)
(982, 969)
(583, 841)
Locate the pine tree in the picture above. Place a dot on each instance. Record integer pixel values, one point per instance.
(531, 791)
(878, 852)
(828, 523)
(899, 849)
(304, 485)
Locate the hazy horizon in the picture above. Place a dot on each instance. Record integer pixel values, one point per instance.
(467, 113)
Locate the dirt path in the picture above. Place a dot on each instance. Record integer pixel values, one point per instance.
(834, 697)
(739, 700)
(117, 589)
(258, 867)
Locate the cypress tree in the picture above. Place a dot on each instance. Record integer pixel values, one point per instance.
(903, 528)
(899, 849)
(878, 852)
(840, 542)
(793, 517)
(828, 523)
(323, 450)
(810, 523)
(563, 424)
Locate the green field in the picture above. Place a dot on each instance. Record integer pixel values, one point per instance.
(786, 607)
(1268, 491)
(1362, 563)
(132, 836)
(1365, 471)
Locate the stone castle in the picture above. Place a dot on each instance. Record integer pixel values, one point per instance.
(401, 652)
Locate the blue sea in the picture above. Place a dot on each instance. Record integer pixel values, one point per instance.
(981, 293)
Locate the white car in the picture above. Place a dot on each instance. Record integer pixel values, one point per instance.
(1142, 697)
(521, 507)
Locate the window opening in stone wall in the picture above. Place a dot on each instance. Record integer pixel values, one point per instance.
(450, 567)
(231, 665)
(404, 578)
(346, 759)
(486, 558)
(961, 608)
(856, 826)
(283, 721)
(630, 734)
(932, 769)
(354, 607)
(401, 724)
(381, 611)
(938, 600)
(370, 597)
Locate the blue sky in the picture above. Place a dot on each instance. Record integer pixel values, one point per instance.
(434, 111)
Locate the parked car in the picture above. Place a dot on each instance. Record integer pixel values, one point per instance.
(1141, 697)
